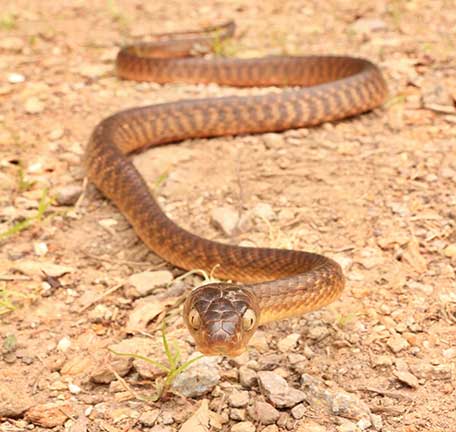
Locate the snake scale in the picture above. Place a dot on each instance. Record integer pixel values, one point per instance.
(276, 283)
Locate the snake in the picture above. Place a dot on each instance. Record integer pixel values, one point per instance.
(258, 285)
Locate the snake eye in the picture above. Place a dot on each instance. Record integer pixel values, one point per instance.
(194, 319)
(248, 319)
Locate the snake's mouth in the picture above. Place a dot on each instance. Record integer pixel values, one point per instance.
(221, 350)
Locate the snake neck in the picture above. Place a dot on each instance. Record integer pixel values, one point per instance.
(299, 294)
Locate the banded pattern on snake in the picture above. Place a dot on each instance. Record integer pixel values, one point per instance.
(277, 283)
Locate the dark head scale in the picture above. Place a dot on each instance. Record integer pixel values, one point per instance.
(221, 318)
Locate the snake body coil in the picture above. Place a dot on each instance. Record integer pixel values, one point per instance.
(278, 283)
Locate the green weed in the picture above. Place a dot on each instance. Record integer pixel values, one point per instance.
(8, 21)
(117, 15)
(172, 369)
(38, 217)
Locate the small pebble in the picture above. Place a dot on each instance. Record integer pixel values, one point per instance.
(264, 413)
(277, 390)
(311, 426)
(149, 418)
(289, 342)
(68, 195)
(74, 389)
(199, 378)
(33, 105)
(237, 414)
(449, 353)
(271, 428)
(377, 422)
(273, 140)
(407, 378)
(64, 344)
(397, 343)
(56, 134)
(264, 211)
(450, 251)
(244, 426)
(238, 399)
(16, 78)
(348, 426)
(226, 219)
(299, 411)
(247, 377)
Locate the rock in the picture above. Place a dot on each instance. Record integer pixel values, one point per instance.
(318, 333)
(237, 414)
(263, 413)
(149, 418)
(34, 268)
(102, 372)
(348, 426)
(238, 399)
(240, 360)
(277, 390)
(382, 361)
(94, 70)
(100, 313)
(264, 211)
(33, 105)
(14, 393)
(397, 343)
(226, 219)
(449, 353)
(336, 402)
(450, 251)
(161, 428)
(273, 140)
(77, 365)
(64, 344)
(407, 378)
(259, 341)
(377, 422)
(288, 342)
(56, 134)
(364, 423)
(68, 195)
(167, 418)
(49, 415)
(349, 406)
(437, 97)
(74, 389)
(244, 426)
(299, 411)
(146, 282)
(271, 428)
(247, 377)
(310, 426)
(15, 78)
(199, 378)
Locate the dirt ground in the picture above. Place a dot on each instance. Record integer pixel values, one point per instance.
(376, 192)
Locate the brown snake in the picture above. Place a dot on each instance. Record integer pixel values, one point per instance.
(279, 283)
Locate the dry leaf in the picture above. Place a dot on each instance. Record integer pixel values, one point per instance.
(412, 256)
(199, 421)
(145, 311)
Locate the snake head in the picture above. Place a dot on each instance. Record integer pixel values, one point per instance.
(221, 318)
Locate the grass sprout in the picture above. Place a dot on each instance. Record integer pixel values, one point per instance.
(18, 227)
(7, 299)
(171, 370)
(8, 21)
